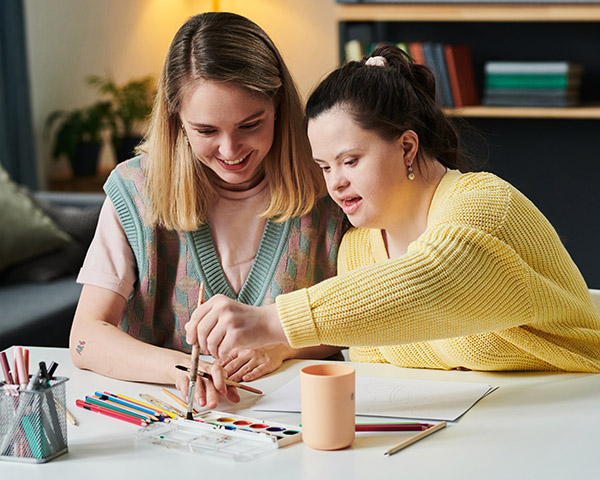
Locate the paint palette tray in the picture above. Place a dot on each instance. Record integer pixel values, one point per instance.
(218, 433)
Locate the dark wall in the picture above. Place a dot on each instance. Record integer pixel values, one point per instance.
(556, 164)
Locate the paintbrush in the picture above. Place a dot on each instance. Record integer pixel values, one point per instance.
(162, 405)
(231, 383)
(194, 367)
(177, 400)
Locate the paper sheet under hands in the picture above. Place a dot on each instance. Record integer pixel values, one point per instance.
(392, 397)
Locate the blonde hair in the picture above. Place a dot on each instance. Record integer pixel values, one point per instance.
(228, 48)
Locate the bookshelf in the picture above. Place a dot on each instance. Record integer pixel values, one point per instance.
(550, 154)
(377, 22)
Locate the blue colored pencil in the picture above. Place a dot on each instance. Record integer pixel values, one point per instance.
(119, 400)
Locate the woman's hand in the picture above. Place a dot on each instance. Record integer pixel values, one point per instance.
(207, 392)
(221, 324)
(247, 364)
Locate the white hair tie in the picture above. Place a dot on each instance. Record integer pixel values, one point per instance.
(378, 61)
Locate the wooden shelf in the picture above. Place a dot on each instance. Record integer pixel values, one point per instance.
(590, 112)
(468, 13)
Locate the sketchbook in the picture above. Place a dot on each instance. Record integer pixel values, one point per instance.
(392, 397)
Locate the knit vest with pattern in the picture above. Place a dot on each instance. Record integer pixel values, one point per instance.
(297, 253)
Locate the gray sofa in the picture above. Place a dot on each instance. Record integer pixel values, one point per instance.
(38, 297)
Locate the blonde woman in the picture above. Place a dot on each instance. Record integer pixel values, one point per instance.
(224, 192)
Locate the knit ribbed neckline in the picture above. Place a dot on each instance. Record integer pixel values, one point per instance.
(274, 239)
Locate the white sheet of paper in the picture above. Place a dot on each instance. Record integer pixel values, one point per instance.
(392, 397)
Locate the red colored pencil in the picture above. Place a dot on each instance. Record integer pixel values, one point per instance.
(391, 427)
(111, 413)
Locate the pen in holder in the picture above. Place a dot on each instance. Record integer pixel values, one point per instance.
(33, 426)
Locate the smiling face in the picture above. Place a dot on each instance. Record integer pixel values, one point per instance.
(229, 130)
(365, 174)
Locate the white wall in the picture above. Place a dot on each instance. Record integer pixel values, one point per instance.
(67, 40)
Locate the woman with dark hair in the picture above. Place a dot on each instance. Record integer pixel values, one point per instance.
(445, 269)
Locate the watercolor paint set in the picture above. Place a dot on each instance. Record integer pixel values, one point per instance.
(219, 433)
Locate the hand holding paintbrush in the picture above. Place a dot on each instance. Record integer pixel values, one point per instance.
(194, 365)
(217, 383)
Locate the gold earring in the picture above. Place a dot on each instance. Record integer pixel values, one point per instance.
(411, 175)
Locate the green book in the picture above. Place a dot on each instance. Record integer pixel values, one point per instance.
(530, 81)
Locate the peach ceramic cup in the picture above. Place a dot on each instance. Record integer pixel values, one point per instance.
(328, 406)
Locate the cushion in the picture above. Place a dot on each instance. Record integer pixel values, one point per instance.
(80, 223)
(25, 231)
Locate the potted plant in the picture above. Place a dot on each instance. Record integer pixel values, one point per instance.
(131, 103)
(78, 135)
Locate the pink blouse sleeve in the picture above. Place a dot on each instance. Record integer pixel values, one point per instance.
(110, 262)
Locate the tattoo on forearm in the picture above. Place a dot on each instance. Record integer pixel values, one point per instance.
(79, 348)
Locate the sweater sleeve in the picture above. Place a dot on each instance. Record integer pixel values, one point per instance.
(453, 281)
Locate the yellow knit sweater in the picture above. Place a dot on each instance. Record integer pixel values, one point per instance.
(487, 286)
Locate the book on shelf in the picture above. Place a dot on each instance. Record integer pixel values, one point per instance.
(441, 70)
(522, 97)
(533, 75)
(442, 85)
(547, 68)
(415, 50)
(531, 81)
(461, 74)
(354, 51)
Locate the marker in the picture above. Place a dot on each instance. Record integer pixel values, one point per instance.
(110, 413)
(23, 377)
(8, 379)
(52, 369)
(26, 360)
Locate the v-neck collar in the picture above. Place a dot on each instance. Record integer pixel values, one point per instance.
(206, 261)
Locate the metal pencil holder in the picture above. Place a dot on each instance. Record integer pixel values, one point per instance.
(33, 424)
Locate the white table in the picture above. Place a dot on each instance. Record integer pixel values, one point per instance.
(536, 425)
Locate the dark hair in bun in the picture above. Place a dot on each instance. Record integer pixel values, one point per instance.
(389, 100)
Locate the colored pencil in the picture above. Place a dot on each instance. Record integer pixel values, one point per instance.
(194, 364)
(70, 417)
(151, 408)
(117, 408)
(134, 411)
(177, 399)
(159, 403)
(415, 438)
(392, 427)
(126, 403)
(231, 383)
(110, 413)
